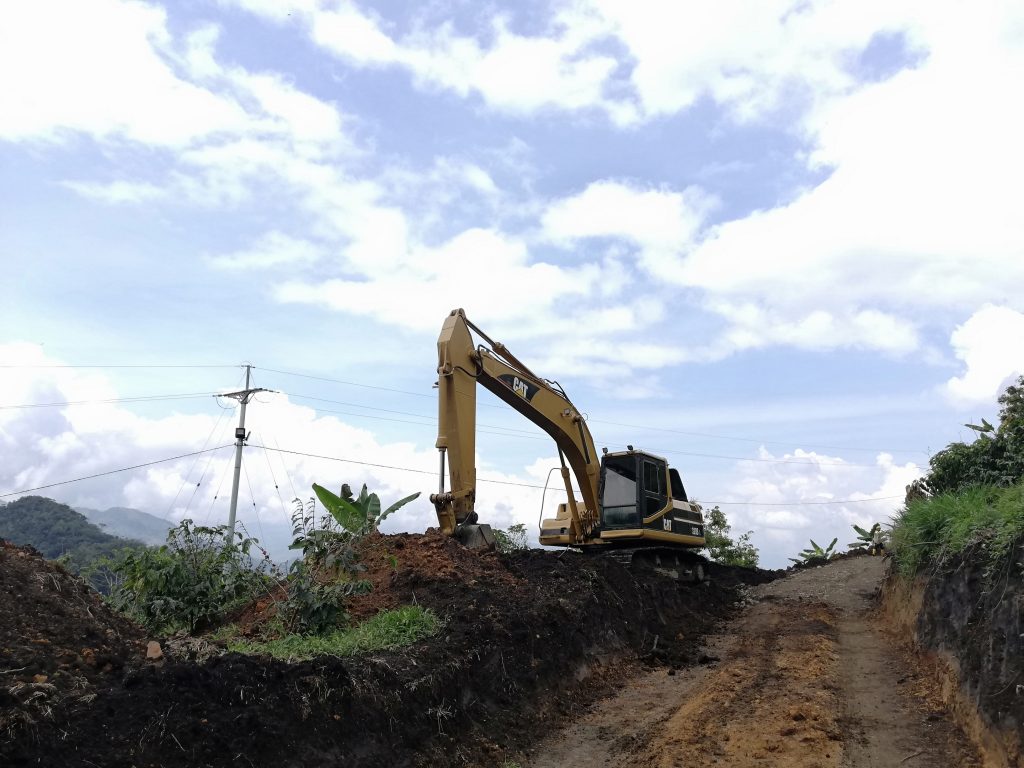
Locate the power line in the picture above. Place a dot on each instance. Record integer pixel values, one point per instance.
(514, 433)
(112, 471)
(138, 399)
(750, 439)
(800, 503)
(119, 366)
(531, 485)
(599, 421)
(343, 381)
(184, 479)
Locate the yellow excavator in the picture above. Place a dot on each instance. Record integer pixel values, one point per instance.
(634, 506)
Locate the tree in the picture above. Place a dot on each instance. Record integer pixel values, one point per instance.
(996, 457)
(511, 539)
(721, 546)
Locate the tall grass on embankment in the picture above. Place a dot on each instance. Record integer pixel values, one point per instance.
(385, 631)
(933, 529)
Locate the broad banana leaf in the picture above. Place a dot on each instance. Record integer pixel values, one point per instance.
(348, 515)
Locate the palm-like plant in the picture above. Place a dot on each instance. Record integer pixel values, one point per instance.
(815, 553)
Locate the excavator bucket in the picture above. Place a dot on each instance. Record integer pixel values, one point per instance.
(476, 536)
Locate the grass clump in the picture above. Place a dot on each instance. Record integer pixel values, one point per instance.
(934, 528)
(387, 630)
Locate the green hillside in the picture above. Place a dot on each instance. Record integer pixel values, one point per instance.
(56, 530)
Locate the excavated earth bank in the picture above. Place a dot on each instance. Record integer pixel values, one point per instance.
(528, 638)
(968, 616)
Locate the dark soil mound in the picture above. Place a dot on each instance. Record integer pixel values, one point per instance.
(527, 637)
(58, 641)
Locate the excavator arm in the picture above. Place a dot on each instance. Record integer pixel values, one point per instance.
(461, 366)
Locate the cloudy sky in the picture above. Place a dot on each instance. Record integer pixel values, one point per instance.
(779, 243)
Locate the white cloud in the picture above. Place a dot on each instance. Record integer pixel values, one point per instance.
(634, 61)
(488, 272)
(749, 57)
(101, 68)
(118, 192)
(782, 502)
(916, 218)
(662, 223)
(511, 72)
(273, 249)
(991, 345)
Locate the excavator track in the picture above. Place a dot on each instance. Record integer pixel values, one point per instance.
(682, 566)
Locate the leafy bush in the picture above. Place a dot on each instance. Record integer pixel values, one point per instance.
(387, 630)
(511, 539)
(189, 581)
(932, 529)
(323, 577)
(721, 546)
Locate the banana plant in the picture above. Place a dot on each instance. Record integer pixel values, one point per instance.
(357, 515)
(815, 553)
(864, 537)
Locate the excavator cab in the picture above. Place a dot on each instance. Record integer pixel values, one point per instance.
(636, 487)
(642, 502)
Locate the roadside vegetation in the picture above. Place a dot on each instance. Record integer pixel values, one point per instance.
(199, 578)
(972, 497)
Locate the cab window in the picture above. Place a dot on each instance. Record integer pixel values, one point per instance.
(619, 493)
(655, 492)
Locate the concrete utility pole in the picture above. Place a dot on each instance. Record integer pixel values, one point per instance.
(243, 396)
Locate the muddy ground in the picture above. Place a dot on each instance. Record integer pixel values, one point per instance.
(807, 676)
(530, 640)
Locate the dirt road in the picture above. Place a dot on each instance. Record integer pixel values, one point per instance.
(804, 678)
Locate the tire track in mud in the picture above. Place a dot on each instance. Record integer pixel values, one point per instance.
(805, 680)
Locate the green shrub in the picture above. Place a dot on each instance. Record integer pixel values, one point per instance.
(320, 580)
(387, 630)
(194, 578)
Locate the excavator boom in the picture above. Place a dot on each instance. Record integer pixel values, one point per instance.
(461, 366)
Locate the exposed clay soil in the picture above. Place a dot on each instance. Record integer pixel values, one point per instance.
(805, 678)
(530, 639)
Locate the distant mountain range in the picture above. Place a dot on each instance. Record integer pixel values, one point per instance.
(129, 523)
(56, 530)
